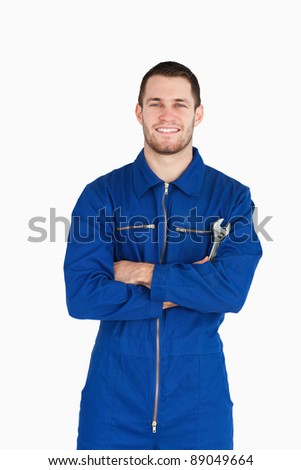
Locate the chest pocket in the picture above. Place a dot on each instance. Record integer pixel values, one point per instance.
(188, 244)
(137, 239)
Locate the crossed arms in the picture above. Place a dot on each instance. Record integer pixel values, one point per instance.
(131, 272)
(99, 289)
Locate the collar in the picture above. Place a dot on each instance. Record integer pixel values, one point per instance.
(190, 182)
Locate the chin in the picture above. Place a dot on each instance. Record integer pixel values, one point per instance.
(169, 149)
(166, 149)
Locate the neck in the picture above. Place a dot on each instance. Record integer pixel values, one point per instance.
(168, 167)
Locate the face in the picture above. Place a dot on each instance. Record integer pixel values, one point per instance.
(168, 114)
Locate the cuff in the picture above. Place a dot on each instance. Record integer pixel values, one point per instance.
(159, 283)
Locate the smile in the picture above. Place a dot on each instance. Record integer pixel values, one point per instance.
(167, 130)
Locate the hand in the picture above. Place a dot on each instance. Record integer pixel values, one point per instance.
(132, 272)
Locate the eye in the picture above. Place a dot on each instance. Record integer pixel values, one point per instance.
(155, 105)
(181, 105)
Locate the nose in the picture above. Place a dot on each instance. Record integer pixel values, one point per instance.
(167, 114)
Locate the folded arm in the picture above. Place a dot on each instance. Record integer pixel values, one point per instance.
(136, 273)
(91, 290)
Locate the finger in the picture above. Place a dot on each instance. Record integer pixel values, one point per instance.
(202, 261)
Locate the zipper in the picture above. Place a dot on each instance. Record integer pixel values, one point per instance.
(136, 226)
(166, 186)
(155, 414)
(184, 230)
(154, 423)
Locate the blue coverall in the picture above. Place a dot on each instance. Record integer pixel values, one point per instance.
(157, 378)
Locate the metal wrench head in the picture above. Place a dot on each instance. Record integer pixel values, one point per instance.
(219, 232)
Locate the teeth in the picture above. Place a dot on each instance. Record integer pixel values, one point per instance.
(167, 129)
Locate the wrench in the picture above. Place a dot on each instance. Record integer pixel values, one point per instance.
(219, 233)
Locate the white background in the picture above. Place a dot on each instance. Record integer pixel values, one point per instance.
(70, 73)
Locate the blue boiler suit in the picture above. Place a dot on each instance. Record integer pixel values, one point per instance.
(157, 378)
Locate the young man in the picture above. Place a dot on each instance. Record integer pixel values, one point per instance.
(140, 259)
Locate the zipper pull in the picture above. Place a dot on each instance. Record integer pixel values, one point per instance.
(154, 427)
(166, 185)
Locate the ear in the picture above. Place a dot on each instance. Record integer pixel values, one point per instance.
(138, 112)
(199, 114)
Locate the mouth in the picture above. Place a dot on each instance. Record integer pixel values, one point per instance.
(167, 130)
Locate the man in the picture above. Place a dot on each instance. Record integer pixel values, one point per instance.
(138, 260)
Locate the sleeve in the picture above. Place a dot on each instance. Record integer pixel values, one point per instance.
(91, 292)
(223, 285)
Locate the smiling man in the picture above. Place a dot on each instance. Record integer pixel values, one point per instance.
(168, 115)
(140, 259)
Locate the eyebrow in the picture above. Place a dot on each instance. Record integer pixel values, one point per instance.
(176, 100)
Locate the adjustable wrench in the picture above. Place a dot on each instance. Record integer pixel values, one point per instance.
(219, 233)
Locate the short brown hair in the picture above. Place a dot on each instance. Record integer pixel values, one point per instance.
(172, 69)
